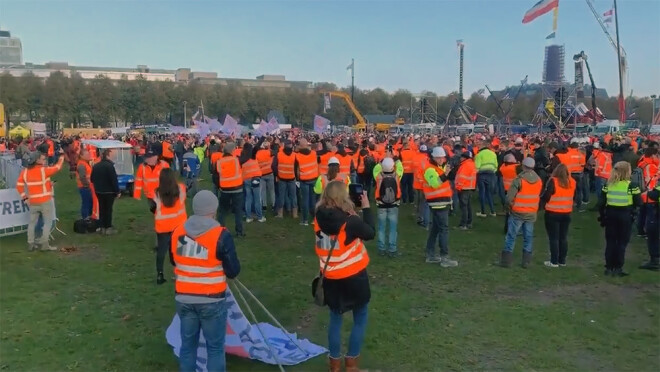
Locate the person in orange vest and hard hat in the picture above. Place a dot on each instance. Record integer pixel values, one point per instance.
(167, 152)
(230, 184)
(83, 174)
(147, 175)
(388, 198)
(284, 163)
(438, 194)
(602, 165)
(36, 188)
(523, 200)
(307, 166)
(408, 159)
(465, 183)
(332, 175)
(509, 171)
(204, 257)
(558, 200)
(169, 212)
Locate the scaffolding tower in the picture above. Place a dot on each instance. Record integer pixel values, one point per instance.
(423, 108)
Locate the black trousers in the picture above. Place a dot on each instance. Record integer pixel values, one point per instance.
(366, 180)
(235, 203)
(579, 185)
(466, 207)
(556, 225)
(164, 246)
(106, 202)
(407, 192)
(618, 227)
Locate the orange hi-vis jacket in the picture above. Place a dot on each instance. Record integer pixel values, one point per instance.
(466, 176)
(51, 147)
(358, 161)
(198, 270)
(344, 164)
(34, 183)
(573, 160)
(408, 160)
(528, 197)
(265, 159)
(562, 200)
(509, 173)
(237, 152)
(323, 165)
(286, 166)
(603, 167)
(650, 186)
(169, 218)
(438, 197)
(231, 175)
(167, 150)
(308, 167)
(420, 165)
(215, 157)
(88, 173)
(649, 167)
(379, 181)
(251, 170)
(147, 178)
(346, 259)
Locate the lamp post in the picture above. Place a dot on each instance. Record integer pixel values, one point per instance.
(185, 121)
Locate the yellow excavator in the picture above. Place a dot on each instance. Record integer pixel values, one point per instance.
(361, 122)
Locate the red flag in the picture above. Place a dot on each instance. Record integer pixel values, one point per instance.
(609, 13)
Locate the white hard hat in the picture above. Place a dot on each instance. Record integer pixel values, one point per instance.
(388, 165)
(333, 160)
(519, 140)
(575, 140)
(423, 148)
(438, 152)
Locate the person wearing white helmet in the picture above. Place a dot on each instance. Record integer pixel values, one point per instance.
(438, 194)
(388, 196)
(332, 175)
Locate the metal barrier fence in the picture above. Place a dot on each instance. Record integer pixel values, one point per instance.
(10, 168)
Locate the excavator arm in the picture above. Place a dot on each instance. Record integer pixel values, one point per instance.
(347, 98)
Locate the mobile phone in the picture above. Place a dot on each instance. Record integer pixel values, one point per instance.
(355, 191)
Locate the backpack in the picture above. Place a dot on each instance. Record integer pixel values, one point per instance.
(637, 179)
(84, 226)
(369, 164)
(388, 190)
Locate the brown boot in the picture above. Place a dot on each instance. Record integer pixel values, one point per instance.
(280, 213)
(294, 212)
(334, 364)
(506, 259)
(352, 364)
(526, 260)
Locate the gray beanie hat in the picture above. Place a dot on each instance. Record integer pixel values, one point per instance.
(229, 148)
(204, 203)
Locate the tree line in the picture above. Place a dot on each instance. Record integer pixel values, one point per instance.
(74, 101)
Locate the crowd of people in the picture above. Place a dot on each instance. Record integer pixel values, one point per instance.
(330, 182)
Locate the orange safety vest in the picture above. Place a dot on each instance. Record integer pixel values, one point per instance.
(466, 176)
(509, 173)
(528, 197)
(34, 183)
(285, 166)
(251, 170)
(379, 181)
(265, 160)
(167, 150)
(88, 172)
(344, 164)
(169, 218)
(231, 175)
(562, 200)
(651, 185)
(573, 160)
(215, 157)
(340, 177)
(408, 160)
(649, 166)
(237, 152)
(308, 168)
(437, 197)
(323, 165)
(421, 163)
(51, 148)
(346, 259)
(603, 165)
(198, 270)
(359, 162)
(147, 177)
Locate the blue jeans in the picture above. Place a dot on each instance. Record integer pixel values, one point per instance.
(514, 227)
(439, 232)
(407, 192)
(423, 210)
(210, 319)
(385, 216)
(652, 227)
(454, 197)
(231, 202)
(598, 184)
(252, 200)
(500, 190)
(486, 184)
(307, 199)
(286, 192)
(86, 198)
(357, 332)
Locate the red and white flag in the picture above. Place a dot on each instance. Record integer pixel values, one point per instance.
(539, 9)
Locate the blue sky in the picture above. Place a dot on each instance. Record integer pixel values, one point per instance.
(396, 44)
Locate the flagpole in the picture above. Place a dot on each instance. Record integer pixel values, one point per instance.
(622, 104)
(352, 79)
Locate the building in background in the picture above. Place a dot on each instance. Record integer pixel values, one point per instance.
(11, 50)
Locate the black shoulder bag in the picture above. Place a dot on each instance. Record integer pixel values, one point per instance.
(317, 283)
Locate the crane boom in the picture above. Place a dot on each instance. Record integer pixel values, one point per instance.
(347, 98)
(602, 25)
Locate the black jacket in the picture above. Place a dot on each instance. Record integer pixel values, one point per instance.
(353, 292)
(104, 178)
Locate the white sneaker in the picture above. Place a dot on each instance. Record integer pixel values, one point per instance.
(262, 219)
(479, 214)
(248, 220)
(447, 262)
(550, 264)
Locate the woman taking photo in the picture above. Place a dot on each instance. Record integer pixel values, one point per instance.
(619, 202)
(558, 200)
(340, 233)
(333, 175)
(169, 211)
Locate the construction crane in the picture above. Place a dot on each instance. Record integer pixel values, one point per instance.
(361, 122)
(623, 60)
(498, 102)
(583, 57)
(459, 104)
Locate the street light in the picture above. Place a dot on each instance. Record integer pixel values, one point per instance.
(185, 121)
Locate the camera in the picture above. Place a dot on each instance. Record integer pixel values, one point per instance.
(355, 191)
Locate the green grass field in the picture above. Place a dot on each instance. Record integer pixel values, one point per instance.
(98, 307)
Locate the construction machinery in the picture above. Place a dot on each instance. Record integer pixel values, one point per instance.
(499, 101)
(361, 124)
(594, 114)
(459, 106)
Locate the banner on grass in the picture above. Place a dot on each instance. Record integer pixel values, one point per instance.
(14, 213)
(244, 340)
(320, 124)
